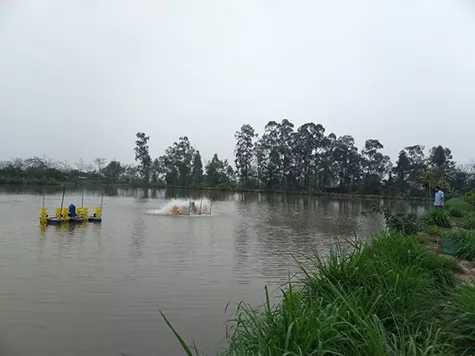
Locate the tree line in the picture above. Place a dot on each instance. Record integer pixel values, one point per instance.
(282, 158)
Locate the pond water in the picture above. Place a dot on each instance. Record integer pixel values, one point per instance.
(97, 289)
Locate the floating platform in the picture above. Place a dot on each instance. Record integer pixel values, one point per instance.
(74, 220)
(71, 214)
(54, 221)
(63, 216)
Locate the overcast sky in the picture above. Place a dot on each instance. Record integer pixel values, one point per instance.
(78, 78)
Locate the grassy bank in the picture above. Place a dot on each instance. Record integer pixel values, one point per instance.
(392, 296)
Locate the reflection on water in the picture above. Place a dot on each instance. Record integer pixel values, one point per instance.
(96, 289)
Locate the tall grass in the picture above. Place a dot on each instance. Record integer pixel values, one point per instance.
(439, 217)
(370, 300)
(390, 297)
(460, 316)
(469, 222)
(465, 242)
(456, 212)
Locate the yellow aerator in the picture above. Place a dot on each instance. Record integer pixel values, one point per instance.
(43, 215)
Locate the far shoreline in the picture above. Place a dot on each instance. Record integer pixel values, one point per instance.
(223, 189)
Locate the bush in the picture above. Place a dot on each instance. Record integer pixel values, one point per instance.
(438, 217)
(399, 223)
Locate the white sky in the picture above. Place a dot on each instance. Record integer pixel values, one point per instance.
(78, 78)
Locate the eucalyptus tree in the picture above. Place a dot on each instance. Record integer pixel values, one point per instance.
(286, 156)
(112, 172)
(348, 163)
(244, 153)
(309, 141)
(268, 156)
(155, 171)
(177, 162)
(197, 169)
(218, 171)
(142, 155)
(440, 159)
(401, 173)
(376, 166)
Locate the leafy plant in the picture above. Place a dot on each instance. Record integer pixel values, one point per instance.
(438, 217)
(400, 223)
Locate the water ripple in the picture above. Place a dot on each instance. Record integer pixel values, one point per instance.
(97, 289)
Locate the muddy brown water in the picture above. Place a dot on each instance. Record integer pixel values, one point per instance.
(98, 289)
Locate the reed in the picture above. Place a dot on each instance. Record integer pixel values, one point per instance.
(465, 242)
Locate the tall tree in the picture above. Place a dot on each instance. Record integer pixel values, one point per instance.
(155, 171)
(197, 170)
(177, 162)
(401, 173)
(440, 160)
(286, 156)
(112, 172)
(417, 165)
(100, 163)
(348, 162)
(244, 153)
(217, 171)
(328, 166)
(268, 156)
(142, 155)
(376, 166)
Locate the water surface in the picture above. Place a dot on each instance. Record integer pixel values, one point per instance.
(97, 289)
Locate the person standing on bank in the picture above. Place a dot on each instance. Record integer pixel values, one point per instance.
(439, 197)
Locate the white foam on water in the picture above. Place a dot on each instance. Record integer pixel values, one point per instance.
(183, 207)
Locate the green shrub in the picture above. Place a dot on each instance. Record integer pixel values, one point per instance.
(398, 223)
(438, 217)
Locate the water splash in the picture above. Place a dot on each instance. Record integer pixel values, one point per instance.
(178, 207)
